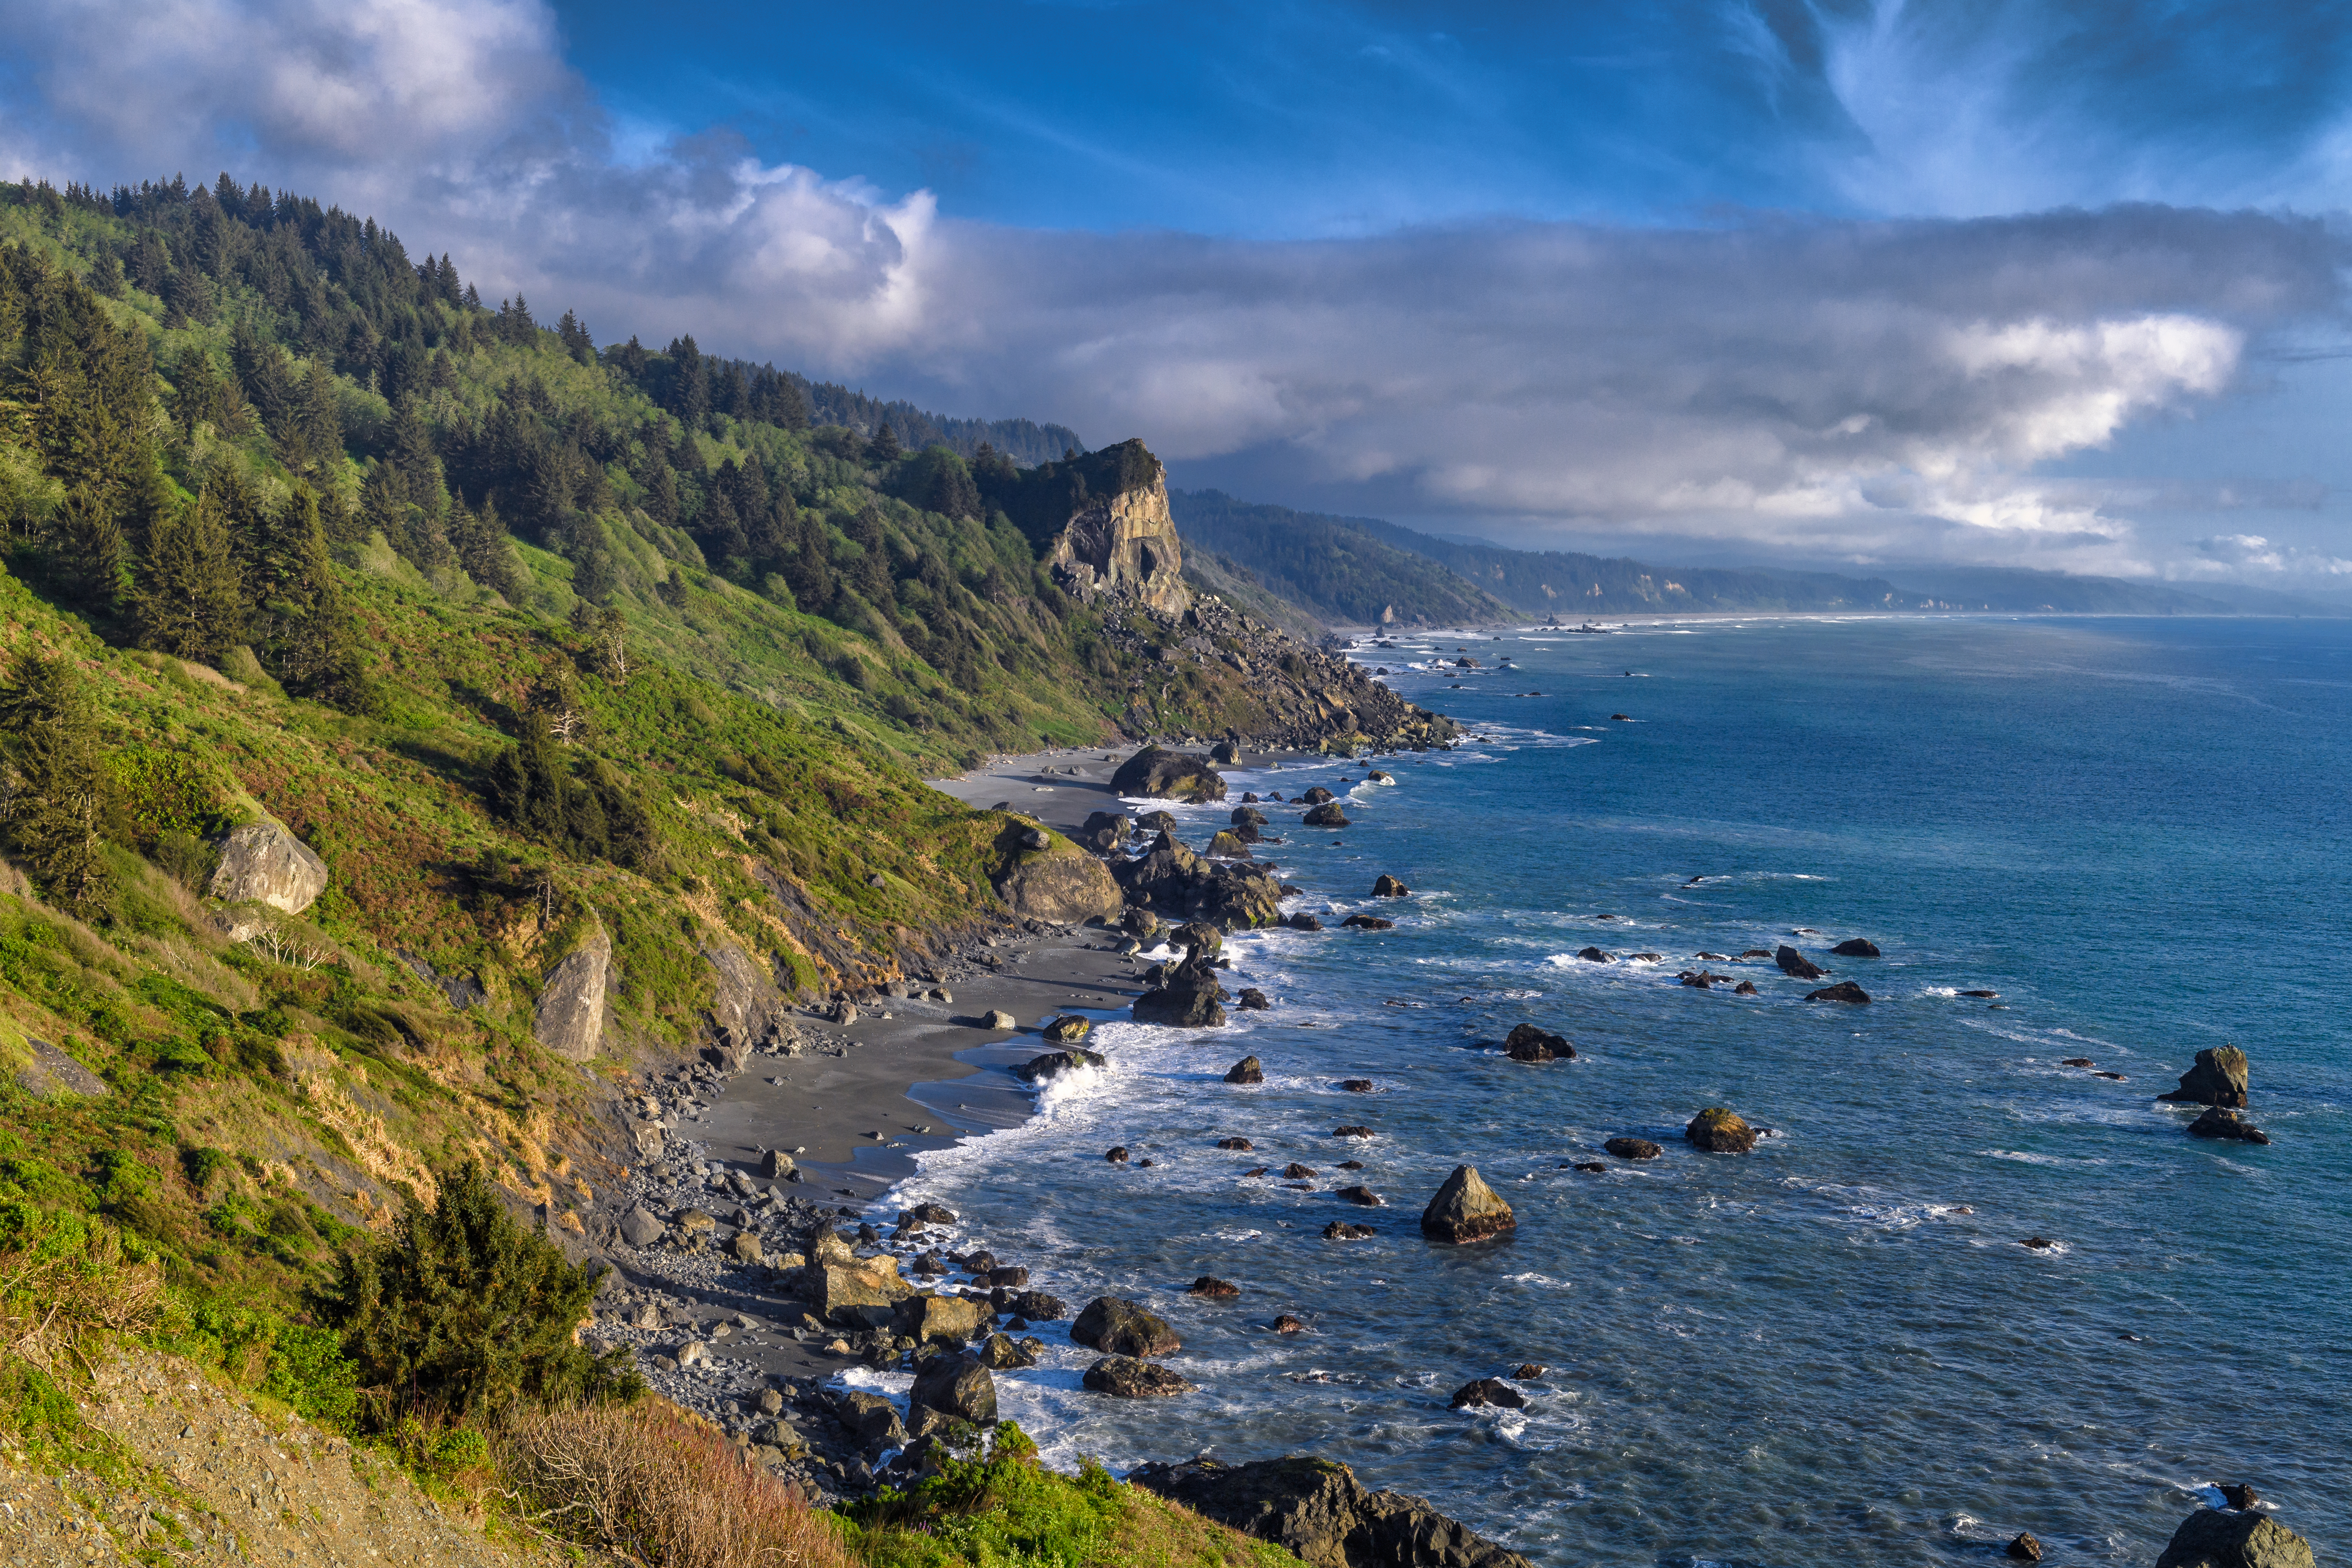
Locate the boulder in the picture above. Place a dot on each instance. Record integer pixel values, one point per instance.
(2212, 1538)
(1488, 1391)
(1368, 922)
(1795, 964)
(1594, 955)
(1069, 1029)
(1857, 947)
(1124, 1377)
(1001, 1352)
(2239, 1495)
(2220, 1077)
(1633, 1148)
(743, 1246)
(1228, 845)
(1249, 1069)
(1195, 937)
(1118, 1327)
(1844, 991)
(1721, 1131)
(929, 1214)
(1139, 919)
(570, 1018)
(1037, 1307)
(2024, 1548)
(1352, 1131)
(1390, 887)
(263, 863)
(872, 1420)
(1283, 1323)
(641, 1227)
(1248, 816)
(1340, 1230)
(1294, 1172)
(1056, 881)
(1052, 1063)
(1225, 753)
(1216, 1290)
(1362, 1196)
(1252, 1000)
(999, 1019)
(940, 1320)
(838, 1290)
(1527, 1043)
(1465, 1209)
(1156, 772)
(1317, 1510)
(1745, 988)
(1303, 921)
(1116, 1156)
(955, 1384)
(2217, 1122)
(776, 1165)
(1318, 795)
(1327, 815)
(52, 1072)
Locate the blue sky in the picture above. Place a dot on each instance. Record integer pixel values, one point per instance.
(1857, 283)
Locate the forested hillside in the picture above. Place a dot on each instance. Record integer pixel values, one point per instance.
(1331, 565)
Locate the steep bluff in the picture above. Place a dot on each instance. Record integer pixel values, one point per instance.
(1123, 542)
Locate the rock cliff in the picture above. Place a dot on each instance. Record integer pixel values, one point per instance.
(1123, 542)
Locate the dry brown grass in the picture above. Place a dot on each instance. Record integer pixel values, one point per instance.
(65, 1281)
(647, 1481)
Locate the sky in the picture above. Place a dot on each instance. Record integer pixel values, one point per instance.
(1839, 283)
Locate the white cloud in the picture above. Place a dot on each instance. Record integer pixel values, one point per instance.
(1859, 388)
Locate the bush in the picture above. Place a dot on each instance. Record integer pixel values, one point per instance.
(462, 1310)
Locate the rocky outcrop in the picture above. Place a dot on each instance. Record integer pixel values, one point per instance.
(1388, 887)
(955, 1385)
(1156, 772)
(1719, 1132)
(1060, 883)
(1486, 1392)
(569, 1019)
(1633, 1148)
(1795, 964)
(839, 1285)
(1116, 1326)
(747, 1012)
(1069, 1029)
(1246, 1070)
(52, 1072)
(1528, 1044)
(2219, 1123)
(1466, 1209)
(939, 1320)
(1122, 542)
(1181, 885)
(263, 863)
(2220, 1077)
(1327, 815)
(1053, 1064)
(1857, 947)
(1317, 1510)
(1185, 999)
(1844, 991)
(2215, 1538)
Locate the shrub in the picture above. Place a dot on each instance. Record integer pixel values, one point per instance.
(461, 1308)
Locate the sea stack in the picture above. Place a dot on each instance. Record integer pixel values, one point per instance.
(1721, 1131)
(2218, 1078)
(1466, 1209)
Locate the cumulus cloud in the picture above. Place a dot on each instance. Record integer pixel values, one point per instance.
(1868, 389)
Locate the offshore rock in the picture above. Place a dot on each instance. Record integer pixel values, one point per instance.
(1721, 1131)
(570, 1018)
(1183, 886)
(1156, 772)
(1069, 1029)
(1252, 1000)
(1487, 1391)
(1052, 1063)
(2219, 1123)
(945, 1320)
(1002, 1352)
(2220, 1077)
(263, 863)
(1796, 965)
(1466, 1209)
(2213, 1539)
(1844, 991)
(2026, 1549)
(1249, 1069)
(1528, 1044)
(1186, 997)
(1857, 947)
(1317, 1510)
(1327, 815)
(1124, 1377)
(1116, 1326)
(1633, 1148)
(958, 1385)
(1390, 887)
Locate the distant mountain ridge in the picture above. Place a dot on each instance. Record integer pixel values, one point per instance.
(1333, 567)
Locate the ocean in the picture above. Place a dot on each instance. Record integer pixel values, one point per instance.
(1835, 1348)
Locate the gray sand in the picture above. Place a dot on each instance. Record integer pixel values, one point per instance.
(1060, 788)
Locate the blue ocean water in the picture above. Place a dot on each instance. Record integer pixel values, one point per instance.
(1833, 1349)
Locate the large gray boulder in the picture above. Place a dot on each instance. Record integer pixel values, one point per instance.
(2220, 1537)
(1055, 880)
(957, 1386)
(263, 863)
(746, 1009)
(1317, 1508)
(1116, 1326)
(1156, 772)
(570, 1021)
(1187, 997)
(2218, 1078)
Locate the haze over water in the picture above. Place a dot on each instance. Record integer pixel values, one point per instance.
(1833, 1349)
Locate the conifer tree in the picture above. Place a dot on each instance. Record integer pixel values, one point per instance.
(56, 797)
(92, 555)
(882, 447)
(190, 603)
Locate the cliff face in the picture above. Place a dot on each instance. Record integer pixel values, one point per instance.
(1124, 541)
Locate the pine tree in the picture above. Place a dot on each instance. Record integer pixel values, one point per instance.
(92, 555)
(190, 603)
(313, 637)
(57, 796)
(882, 447)
(322, 438)
(530, 783)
